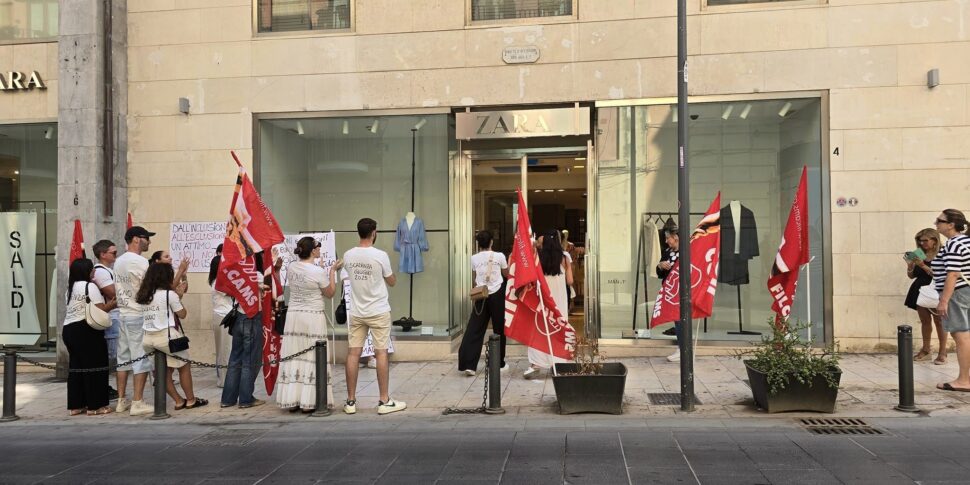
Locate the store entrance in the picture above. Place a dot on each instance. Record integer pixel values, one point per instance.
(554, 186)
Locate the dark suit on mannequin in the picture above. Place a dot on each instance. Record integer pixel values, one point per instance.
(734, 260)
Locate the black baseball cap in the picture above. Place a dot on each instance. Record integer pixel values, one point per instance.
(137, 231)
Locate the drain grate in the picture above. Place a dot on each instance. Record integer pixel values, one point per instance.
(227, 437)
(839, 426)
(667, 398)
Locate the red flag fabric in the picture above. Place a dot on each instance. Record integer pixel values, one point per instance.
(272, 341)
(252, 227)
(531, 314)
(240, 280)
(705, 256)
(792, 253)
(77, 243)
(129, 222)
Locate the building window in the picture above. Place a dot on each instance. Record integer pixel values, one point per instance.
(485, 10)
(301, 15)
(27, 20)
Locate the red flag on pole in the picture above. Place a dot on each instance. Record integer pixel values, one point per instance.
(77, 243)
(705, 255)
(792, 253)
(129, 222)
(272, 341)
(531, 314)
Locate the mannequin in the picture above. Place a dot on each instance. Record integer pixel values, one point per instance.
(739, 245)
(409, 217)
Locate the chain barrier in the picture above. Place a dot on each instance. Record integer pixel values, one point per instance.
(481, 409)
(149, 354)
(220, 366)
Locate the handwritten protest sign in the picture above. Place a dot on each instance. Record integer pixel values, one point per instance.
(328, 250)
(196, 241)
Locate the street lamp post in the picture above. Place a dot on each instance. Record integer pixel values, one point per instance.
(683, 198)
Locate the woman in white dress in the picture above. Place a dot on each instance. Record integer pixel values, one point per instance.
(559, 275)
(306, 322)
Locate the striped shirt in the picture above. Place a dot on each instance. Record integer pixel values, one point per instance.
(954, 257)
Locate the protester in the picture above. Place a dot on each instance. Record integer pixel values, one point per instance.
(306, 323)
(489, 268)
(160, 257)
(221, 305)
(86, 347)
(370, 275)
(918, 270)
(162, 312)
(245, 356)
(667, 261)
(559, 275)
(129, 270)
(951, 275)
(106, 252)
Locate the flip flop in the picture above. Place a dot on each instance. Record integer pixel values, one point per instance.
(939, 361)
(199, 402)
(921, 355)
(179, 408)
(946, 386)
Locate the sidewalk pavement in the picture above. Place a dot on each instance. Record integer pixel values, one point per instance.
(868, 389)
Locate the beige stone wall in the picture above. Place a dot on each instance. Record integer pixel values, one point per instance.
(37, 104)
(904, 149)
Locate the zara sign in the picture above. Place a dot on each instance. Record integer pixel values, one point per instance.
(21, 81)
(483, 125)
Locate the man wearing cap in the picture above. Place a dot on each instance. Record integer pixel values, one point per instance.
(130, 270)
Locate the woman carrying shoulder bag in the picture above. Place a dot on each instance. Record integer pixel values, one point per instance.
(951, 274)
(918, 270)
(86, 346)
(489, 271)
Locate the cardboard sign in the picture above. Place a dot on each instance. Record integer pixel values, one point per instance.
(196, 241)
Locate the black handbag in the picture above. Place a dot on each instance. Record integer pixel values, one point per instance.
(279, 318)
(229, 320)
(175, 344)
(340, 314)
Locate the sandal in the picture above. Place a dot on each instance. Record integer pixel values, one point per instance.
(102, 411)
(199, 402)
(940, 360)
(922, 355)
(76, 412)
(182, 406)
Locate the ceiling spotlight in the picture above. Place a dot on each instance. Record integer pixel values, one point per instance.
(727, 112)
(537, 190)
(299, 128)
(549, 190)
(16, 172)
(745, 111)
(346, 128)
(579, 166)
(560, 190)
(373, 126)
(579, 159)
(48, 133)
(784, 109)
(420, 124)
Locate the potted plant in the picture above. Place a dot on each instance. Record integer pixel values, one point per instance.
(589, 385)
(787, 373)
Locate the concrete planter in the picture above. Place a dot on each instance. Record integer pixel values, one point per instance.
(818, 397)
(590, 393)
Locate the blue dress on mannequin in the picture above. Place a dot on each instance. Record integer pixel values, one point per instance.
(411, 242)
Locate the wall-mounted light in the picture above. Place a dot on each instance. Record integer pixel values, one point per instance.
(784, 109)
(933, 78)
(374, 125)
(346, 128)
(420, 124)
(184, 105)
(727, 112)
(48, 133)
(675, 114)
(745, 111)
(299, 128)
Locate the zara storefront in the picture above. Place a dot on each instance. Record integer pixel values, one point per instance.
(603, 172)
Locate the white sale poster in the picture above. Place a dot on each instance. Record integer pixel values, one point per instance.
(18, 306)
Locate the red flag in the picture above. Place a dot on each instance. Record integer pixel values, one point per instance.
(252, 227)
(129, 222)
(792, 253)
(272, 341)
(77, 243)
(531, 314)
(705, 255)
(240, 280)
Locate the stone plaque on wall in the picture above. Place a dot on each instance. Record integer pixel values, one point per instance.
(520, 54)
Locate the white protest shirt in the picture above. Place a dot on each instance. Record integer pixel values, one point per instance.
(130, 270)
(75, 306)
(367, 268)
(158, 316)
(221, 302)
(104, 276)
(306, 282)
(488, 265)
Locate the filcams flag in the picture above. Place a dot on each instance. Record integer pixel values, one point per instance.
(792, 253)
(531, 314)
(77, 243)
(705, 256)
(272, 341)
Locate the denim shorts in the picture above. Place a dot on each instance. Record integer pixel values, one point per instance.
(958, 311)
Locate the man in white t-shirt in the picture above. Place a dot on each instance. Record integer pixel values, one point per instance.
(370, 274)
(105, 252)
(129, 271)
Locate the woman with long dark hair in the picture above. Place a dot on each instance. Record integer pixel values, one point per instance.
(86, 347)
(489, 269)
(221, 306)
(556, 267)
(162, 309)
(951, 275)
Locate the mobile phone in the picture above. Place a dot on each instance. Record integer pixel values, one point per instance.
(910, 256)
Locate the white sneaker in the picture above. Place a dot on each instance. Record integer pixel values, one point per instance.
(123, 405)
(372, 363)
(674, 357)
(350, 407)
(391, 406)
(140, 408)
(530, 372)
(469, 372)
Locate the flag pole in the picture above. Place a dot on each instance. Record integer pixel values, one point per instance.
(234, 157)
(683, 197)
(545, 320)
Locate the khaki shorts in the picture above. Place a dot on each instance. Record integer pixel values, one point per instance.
(158, 340)
(379, 326)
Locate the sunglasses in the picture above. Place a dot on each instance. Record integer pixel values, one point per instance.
(925, 240)
(942, 221)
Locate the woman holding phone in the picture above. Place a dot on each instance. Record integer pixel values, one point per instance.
(918, 269)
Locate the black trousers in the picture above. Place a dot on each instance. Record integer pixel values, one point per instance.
(87, 349)
(491, 308)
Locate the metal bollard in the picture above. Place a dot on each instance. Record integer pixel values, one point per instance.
(323, 407)
(904, 342)
(161, 372)
(494, 375)
(9, 386)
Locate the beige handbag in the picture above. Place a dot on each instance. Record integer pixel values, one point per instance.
(479, 293)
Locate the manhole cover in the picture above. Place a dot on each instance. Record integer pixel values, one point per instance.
(668, 398)
(839, 426)
(227, 437)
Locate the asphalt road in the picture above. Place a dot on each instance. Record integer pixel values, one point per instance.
(487, 450)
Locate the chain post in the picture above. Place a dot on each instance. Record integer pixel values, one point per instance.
(161, 371)
(493, 375)
(904, 351)
(9, 386)
(323, 407)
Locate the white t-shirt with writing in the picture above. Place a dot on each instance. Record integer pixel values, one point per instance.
(492, 270)
(157, 316)
(75, 305)
(104, 276)
(130, 270)
(367, 268)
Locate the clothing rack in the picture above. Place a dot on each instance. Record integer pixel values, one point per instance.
(408, 322)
